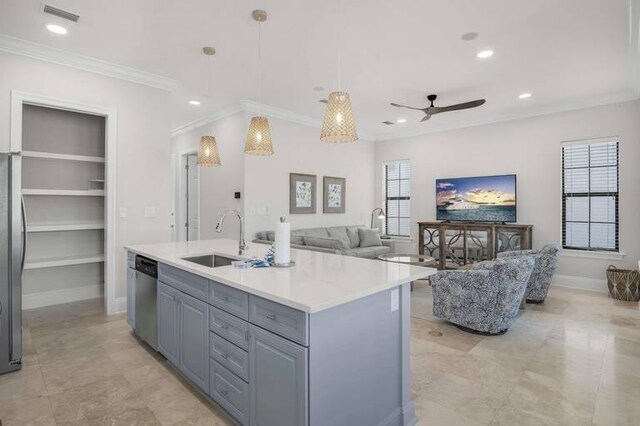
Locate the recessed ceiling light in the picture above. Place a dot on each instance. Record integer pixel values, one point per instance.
(524, 95)
(56, 29)
(469, 36)
(485, 54)
(401, 120)
(196, 103)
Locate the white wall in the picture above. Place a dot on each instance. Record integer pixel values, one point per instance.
(217, 184)
(298, 149)
(531, 149)
(143, 141)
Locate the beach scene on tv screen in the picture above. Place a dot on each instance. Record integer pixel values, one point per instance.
(485, 198)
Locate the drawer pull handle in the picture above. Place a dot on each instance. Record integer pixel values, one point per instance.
(223, 298)
(224, 355)
(224, 326)
(271, 316)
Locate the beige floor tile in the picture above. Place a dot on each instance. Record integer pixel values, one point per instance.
(431, 413)
(26, 412)
(63, 375)
(23, 384)
(614, 410)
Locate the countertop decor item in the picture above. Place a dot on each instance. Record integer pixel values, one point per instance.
(208, 155)
(623, 284)
(302, 193)
(259, 136)
(334, 197)
(282, 243)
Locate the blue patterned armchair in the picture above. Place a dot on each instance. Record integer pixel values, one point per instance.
(484, 299)
(546, 263)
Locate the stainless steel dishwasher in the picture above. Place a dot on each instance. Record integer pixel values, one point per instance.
(145, 306)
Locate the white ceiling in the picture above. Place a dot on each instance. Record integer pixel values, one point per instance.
(565, 52)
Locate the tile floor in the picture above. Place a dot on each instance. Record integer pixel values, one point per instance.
(574, 360)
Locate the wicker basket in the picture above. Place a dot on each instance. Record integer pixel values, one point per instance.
(623, 283)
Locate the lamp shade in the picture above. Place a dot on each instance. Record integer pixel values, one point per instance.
(339, 124)
(259, 137)
(208, 152)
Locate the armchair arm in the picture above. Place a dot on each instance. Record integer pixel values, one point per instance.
(458, 282)
(388, 243)
(516, 253)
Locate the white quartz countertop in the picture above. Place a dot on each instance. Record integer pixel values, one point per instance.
(318, 281)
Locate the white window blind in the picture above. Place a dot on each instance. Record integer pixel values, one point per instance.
(398, 198)
(590, 178)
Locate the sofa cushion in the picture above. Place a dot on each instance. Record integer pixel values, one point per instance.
(331, 243)
(369, 237)
(340, 233)
(316, 232)
(297, 237)
(354, 237)
(369, 252)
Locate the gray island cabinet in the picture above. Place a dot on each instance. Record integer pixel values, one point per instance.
(269, 364)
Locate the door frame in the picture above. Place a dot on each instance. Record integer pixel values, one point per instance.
(18, 100)
(181, 161)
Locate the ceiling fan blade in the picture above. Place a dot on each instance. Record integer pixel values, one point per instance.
(404, 106)
(464, 105)
(426, 117)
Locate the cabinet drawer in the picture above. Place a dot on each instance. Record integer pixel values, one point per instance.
(229, 299)
(230, 392)
(131, 259)
(191, 284)
(229, 355)
(231, 328)
(282, 320)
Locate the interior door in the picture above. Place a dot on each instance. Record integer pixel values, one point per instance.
(193, 199)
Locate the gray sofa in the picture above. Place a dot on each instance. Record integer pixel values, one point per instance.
(344, 240)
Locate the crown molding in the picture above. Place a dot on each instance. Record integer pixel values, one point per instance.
(218, 115)
(499, 118)
(85, 63)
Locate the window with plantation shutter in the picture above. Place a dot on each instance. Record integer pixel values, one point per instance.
(397, 177)
(590, 178)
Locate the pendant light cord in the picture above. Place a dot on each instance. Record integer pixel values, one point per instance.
(339, 32)
(259, 70)
(209, 77)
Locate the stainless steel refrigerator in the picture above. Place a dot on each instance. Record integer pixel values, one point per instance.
(12, 252)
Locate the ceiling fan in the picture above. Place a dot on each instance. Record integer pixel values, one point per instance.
(432, 110)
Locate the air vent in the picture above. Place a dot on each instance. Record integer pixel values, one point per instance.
(60, 13)
(324, 101)
(388, 123)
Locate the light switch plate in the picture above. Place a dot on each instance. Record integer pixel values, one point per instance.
(395, 300)
(123, 212)
(149, 211)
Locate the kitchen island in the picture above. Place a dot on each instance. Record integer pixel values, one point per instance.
(325, 342)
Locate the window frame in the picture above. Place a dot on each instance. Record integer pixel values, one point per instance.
(590, 195)
(386, 198)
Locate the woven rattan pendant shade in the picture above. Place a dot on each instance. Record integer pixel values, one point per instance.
(259, 137)
(339, 124)
(208, 152)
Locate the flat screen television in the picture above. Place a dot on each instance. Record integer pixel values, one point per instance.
(477, 199)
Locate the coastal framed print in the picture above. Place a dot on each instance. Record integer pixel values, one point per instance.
(302, 193)
(335, 190)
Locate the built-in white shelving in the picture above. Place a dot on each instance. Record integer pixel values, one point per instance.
(62, 261)
(65, 192)
(64, 227)
(67, 157)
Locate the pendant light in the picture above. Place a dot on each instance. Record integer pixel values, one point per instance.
(259, 136)
(338, 124)
(208, 155)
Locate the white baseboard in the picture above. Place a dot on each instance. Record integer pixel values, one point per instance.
(121, 305)
(580, 283)
(56, 297)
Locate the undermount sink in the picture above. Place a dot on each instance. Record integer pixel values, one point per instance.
(210, 260)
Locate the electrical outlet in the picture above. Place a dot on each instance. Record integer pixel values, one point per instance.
(149, 211)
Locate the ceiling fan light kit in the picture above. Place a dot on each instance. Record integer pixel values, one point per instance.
(339, 125)
(208, 155)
